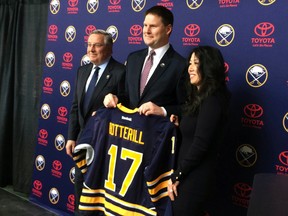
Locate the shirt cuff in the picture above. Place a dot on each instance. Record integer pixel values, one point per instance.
(165, 112)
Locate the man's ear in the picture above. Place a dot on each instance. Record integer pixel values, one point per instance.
(169, 29)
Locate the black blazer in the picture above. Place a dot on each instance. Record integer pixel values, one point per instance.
(165, 87)
(111, 81)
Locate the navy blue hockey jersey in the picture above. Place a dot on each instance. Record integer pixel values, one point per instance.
(126, 159)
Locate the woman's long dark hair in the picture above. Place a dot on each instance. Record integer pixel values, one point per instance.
(212, 73)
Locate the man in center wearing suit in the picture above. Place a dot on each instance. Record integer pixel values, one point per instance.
(164, 91)
(110, 78)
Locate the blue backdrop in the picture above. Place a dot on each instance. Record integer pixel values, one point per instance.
(252, 36)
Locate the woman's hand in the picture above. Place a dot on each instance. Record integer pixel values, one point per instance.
(172, 189)
(174, 119)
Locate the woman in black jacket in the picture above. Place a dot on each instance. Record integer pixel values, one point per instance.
(201, 132)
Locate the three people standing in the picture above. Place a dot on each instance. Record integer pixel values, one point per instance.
(202, 106)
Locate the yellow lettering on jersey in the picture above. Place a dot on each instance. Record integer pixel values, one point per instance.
(126, 133)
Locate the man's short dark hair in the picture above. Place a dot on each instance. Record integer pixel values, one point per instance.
(163, 12)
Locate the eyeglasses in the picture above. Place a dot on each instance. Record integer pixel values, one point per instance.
(90, 45)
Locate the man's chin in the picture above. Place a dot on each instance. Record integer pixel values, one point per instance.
(148, 42)
(93, 60)
(152, 45)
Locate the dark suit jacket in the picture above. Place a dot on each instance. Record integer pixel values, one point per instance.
(201, 140)
(165, 87)
(111, 81)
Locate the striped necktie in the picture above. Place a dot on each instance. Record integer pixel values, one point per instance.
(146, 70)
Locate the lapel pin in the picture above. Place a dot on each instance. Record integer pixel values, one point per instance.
(162, 65)
(108, 76)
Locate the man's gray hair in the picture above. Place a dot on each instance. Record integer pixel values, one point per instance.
(108, 40)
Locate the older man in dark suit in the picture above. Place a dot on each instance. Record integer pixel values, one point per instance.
(95, 80)
(161, 92)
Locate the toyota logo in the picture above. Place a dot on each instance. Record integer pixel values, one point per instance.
(264, 29)
(253, 111)
(192, 30)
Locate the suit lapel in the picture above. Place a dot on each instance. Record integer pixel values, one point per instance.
(105, 77)
(83, 79)
(137, 69)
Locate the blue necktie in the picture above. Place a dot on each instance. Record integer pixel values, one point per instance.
(90, 89)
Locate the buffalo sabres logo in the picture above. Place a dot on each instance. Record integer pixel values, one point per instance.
(65, 88)
(113, 31)
(285, 122)
(92, 6)
(54, 6)
(45, 111)
(266, 2)
(246, 155)
(70, 33)
(40, 162)
(138, 5)
(50, 59)
(54, 195)
(59, 142)
(224, 35)
(256, 75)
(72, 175)
(85, 60)
(194, 4)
